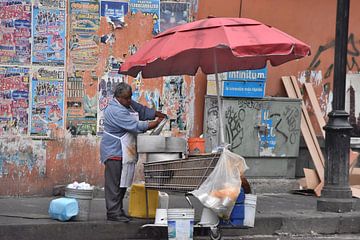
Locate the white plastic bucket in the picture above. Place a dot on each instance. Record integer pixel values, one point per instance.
(250, 210)
(180, 223)
(161, 216)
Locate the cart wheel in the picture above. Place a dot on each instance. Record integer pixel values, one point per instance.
(215, 233)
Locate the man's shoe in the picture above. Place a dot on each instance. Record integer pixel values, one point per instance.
(122, 213)
(121, 218)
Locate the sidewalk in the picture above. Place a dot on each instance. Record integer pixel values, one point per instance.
(27, 218)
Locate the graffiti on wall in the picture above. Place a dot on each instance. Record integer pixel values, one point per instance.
(14, 95)
(48, 37)
(15, 32)
(173, 14)
(20, 151)
(84, 22)
(254, 127)
(47, 101)
(234, 128)
(353, 53)
(315, 74)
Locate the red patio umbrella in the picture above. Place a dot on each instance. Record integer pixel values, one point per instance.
(215, 45)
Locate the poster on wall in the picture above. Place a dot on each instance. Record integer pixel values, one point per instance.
(48, 37)
(14, 95)
(147, 7)
(81, 107)
(174, 101)
(352, 103)
(106, 89)
(15, 32)
(50, 3)
(84, 23)
(47, 101)
(173, 14)
(115, 12)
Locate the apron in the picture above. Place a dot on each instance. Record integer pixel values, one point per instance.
(128, 145)
(129, 157)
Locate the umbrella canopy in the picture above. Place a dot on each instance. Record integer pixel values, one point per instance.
(237, 44)
(214, 45)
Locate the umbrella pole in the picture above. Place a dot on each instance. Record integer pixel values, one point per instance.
(221, 127)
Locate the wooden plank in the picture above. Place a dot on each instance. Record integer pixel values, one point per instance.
(308, 132)
(353, 156)
(308, 121)
(316, 106)
(355, 191)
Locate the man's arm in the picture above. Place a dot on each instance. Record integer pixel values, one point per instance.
(146, 113)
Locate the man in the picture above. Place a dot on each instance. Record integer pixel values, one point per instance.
(123, 120)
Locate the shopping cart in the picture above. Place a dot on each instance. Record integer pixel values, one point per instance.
(182, 175)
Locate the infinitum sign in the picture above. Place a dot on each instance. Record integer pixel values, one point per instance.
(248, 75)
(242, 75)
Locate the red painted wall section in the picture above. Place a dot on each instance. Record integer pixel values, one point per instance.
(312, 22)
(218, 8)
(304, 20)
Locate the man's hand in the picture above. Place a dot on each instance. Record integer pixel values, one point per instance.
(160, 114)
(159, 120)
(155, 123)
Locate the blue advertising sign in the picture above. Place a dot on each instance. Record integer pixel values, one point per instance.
(248, 75)
(251, 89)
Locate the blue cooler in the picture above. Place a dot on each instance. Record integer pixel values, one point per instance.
(63, 208)
(238, 213)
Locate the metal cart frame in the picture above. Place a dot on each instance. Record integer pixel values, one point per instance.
(181, 175)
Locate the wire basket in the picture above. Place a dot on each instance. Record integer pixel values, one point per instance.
(181, 175)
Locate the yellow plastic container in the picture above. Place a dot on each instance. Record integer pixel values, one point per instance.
(137, 201)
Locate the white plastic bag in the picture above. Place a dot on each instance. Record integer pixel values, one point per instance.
(222, 187)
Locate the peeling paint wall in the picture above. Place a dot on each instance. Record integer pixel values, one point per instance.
(67, 149)
(33, 166)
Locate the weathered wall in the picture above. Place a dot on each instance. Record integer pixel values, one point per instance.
(38, 153)
(33, 167)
